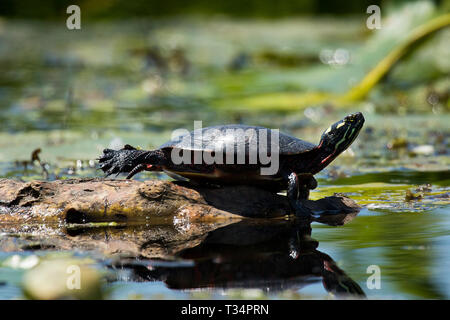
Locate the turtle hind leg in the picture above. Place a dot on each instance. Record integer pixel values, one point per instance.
(118, 161)
(129, 160)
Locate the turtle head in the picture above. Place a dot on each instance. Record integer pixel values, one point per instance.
(339, 136)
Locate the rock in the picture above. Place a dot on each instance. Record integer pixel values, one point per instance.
(62, 278)
(424, 150)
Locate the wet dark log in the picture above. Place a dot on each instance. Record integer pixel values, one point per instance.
(271, 254)
(153, 201)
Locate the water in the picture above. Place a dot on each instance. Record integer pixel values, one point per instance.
(73, 94)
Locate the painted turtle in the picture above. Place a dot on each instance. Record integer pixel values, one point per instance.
(231, 154)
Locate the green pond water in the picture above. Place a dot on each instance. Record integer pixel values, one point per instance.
(72, 94)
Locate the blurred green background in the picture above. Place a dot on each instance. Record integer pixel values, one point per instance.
(237, 8)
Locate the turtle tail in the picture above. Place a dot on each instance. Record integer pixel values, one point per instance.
(123, 160)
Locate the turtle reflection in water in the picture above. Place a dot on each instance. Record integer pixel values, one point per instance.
(298, 160)
(272, 256)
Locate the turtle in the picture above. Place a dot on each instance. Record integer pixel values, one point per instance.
(241, 155)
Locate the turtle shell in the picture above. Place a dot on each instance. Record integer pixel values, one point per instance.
(239, 137)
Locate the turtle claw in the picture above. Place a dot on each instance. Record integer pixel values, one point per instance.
(112, 161)
(128, 160)
(106, 158)
(106, 165)
(103, 164)
(111, 171)
(137, 169)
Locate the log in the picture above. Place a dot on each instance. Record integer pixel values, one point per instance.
(152, 201)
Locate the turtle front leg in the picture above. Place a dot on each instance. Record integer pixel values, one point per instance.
(306, 182)
(296, 191)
